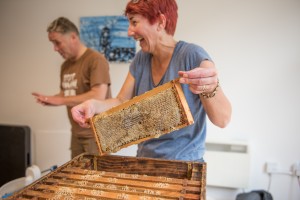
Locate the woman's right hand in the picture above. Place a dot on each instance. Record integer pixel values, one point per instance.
(82, 112)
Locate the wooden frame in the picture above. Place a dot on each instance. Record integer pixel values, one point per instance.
(134, 126)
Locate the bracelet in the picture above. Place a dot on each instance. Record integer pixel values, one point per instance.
(211, 94)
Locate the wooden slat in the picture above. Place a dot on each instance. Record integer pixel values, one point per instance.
(37, 194)
(149, 166)
(133, 176)
(76, 192)
(121, 189)
(150, 185)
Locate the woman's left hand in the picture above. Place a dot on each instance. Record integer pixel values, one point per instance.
(201, 79)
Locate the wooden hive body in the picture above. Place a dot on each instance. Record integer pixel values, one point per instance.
(94, 177)
(156, 112)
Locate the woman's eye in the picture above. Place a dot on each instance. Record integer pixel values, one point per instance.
(134, 23)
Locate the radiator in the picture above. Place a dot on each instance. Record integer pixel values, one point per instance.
(228, 163)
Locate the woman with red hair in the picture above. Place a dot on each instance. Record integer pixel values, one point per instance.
(161, 59)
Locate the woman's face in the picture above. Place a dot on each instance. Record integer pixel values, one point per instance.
(143, 32)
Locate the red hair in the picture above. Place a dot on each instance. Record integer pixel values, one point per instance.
(151, 9)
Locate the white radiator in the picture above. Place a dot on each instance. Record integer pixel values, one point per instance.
(228, 163)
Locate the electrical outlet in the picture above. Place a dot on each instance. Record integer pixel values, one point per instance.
(272, 167)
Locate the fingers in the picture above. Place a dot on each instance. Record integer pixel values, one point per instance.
(79, 116)
(35, 94)
(199, 79)
(203, 88)
(198, 72)
(85, 125)
(39, 96)
(197, 89)
(43, 100)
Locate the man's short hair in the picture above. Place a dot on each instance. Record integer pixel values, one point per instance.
(62, 25)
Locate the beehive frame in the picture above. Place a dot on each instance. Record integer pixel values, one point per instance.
(108, 177)
(150, 115)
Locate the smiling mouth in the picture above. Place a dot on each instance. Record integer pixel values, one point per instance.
(139, 38)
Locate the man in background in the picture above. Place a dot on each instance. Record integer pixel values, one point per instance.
(84, 75)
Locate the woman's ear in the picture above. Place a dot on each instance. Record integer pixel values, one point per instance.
(162, 22)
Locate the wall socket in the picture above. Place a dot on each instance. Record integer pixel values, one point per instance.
(272, 167)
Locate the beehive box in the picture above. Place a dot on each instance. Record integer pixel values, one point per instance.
(152, 114)
(91, 177)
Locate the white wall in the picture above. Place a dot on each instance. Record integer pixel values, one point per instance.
(255, 45)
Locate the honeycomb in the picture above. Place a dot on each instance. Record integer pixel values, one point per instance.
(157, 112)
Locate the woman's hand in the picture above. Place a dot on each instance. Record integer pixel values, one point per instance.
(204, 80)
(201, 79)
(82, 112)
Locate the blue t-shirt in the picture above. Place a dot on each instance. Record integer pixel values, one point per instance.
(187, 143)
